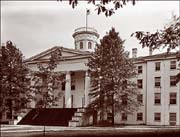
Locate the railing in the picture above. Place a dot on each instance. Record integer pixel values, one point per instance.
(85, 29)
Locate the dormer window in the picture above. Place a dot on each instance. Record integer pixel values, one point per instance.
(89, 45)
(81, 45)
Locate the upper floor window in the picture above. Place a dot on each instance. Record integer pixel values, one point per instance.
(157, 98)
(140, 70)
(139, 116)
(157, 81)
(172, 80)
(140, 98)
(173, 64)
(157, 66)
(172, 98)
(157, 117)
(81, 45)
(124, 99)
(89, 45)
(140, 83)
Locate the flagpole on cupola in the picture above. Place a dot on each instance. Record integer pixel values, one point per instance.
(87, 13)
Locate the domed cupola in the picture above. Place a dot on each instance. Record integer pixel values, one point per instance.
(85, 39)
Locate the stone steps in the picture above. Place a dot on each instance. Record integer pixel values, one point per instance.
(77, 118)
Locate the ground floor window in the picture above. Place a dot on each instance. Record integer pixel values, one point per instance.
(124, 116)
(172, 118)
(157, 117)
(139, 116)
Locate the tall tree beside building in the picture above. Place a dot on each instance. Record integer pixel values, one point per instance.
(112, 72)
(14, 83)
(46, 81)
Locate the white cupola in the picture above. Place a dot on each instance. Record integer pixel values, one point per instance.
(85, 39)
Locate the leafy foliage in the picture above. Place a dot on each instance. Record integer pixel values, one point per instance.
(102, 5)
(45, 81)
(112, 71)
(169, 37)
(14, 83)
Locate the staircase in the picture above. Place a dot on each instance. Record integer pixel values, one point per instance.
(49, 117)
(77, 118)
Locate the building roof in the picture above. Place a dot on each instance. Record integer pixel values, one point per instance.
(160, 56)
(72, 53)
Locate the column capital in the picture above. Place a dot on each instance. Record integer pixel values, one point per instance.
(67, 72)
(86, 73)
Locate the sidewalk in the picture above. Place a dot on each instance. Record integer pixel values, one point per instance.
(30, 128)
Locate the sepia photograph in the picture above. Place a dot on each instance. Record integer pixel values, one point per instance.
(90, 68)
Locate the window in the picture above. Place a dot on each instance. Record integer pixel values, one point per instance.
(157, 81)
(89, 45)
(172, 118)
(172, 80)
(124, 116)
(63, 86)
(157, 98)
(81, 45)
(173, 64)
(124, 99)
(23, 105)
(140, 83)
(124, 84)
(15, 117)
(140, 69)
(73, 87)
(157, 117)
(8, 115)
(72, 74)
(157, 66)
(140, 98)
(139, 116)
(172, 98)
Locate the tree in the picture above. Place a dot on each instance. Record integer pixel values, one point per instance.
(102, 5)
(14, 83)
(169, 38)
(44, 83)
(112, 72)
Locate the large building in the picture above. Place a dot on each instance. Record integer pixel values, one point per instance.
(159, 93)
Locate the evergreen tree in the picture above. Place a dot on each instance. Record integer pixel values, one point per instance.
(112, 71)
(14, 83)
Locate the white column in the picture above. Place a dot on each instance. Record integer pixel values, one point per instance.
(87, 87)
(68, 90)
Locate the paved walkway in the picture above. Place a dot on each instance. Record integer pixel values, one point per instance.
(29, 128)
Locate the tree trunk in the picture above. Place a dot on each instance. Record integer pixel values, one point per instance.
(112, 98)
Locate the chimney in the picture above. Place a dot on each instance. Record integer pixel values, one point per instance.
(150, 51)
(134, 52)
(3, 44)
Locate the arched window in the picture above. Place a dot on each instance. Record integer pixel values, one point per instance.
(81, 45)
(89, 45)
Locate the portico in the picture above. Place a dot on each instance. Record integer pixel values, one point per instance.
(76, 89)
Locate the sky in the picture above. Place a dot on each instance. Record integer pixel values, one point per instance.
(35, 26)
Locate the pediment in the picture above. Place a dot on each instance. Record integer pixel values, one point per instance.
(66, 52)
